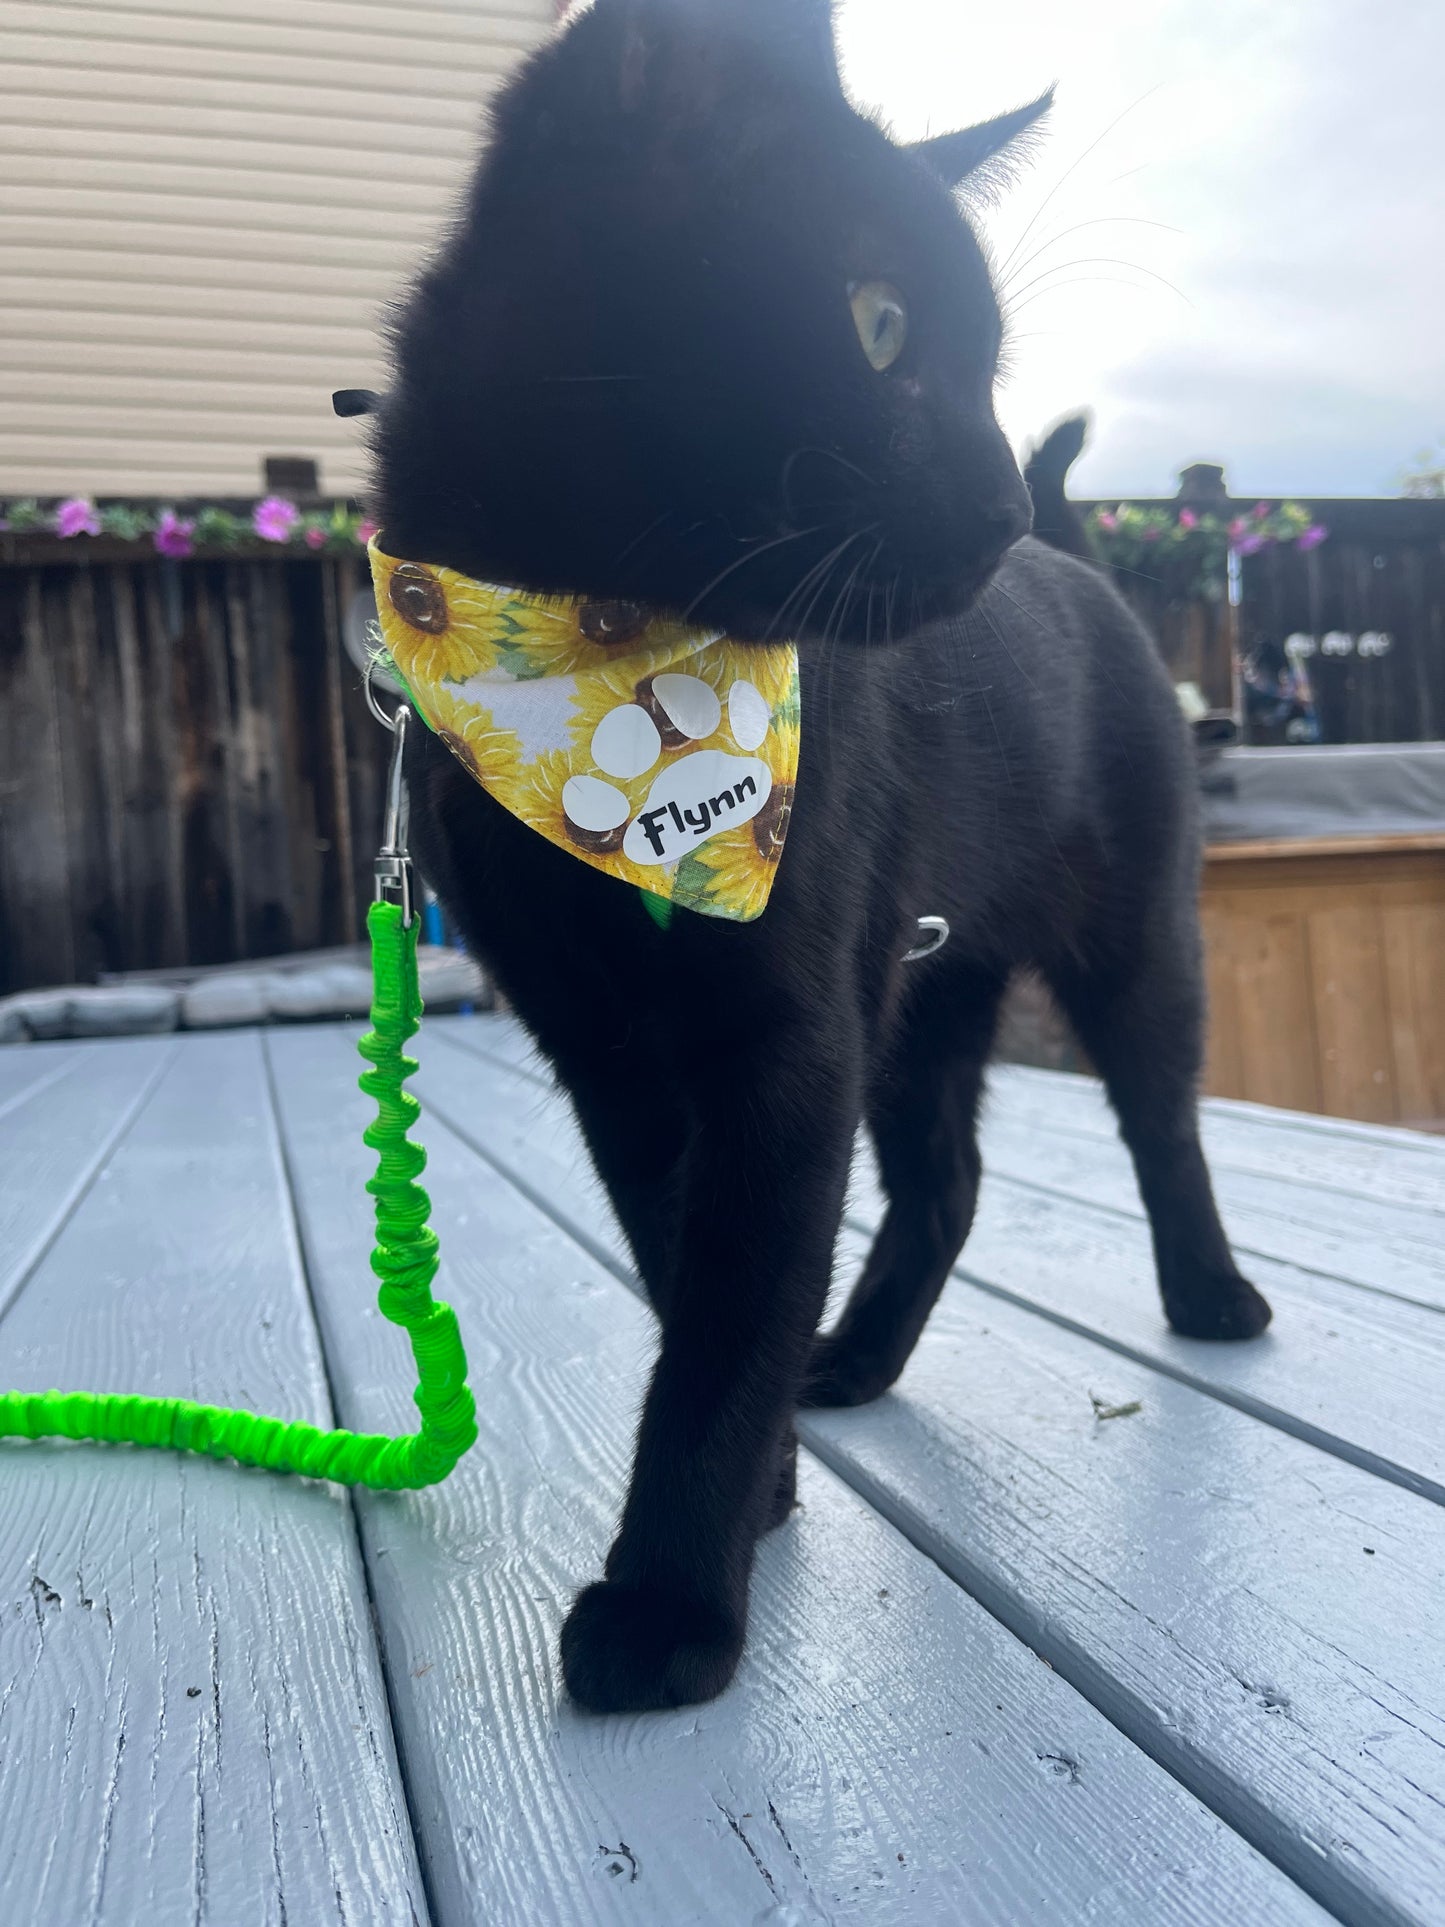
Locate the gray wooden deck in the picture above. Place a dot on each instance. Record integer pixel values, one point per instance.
(1013, 1661)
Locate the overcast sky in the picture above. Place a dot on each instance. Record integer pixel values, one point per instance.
(1295, 148)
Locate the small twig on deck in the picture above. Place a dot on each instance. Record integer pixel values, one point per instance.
(1103, 1411)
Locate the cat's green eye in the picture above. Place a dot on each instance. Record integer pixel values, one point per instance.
(881, 317)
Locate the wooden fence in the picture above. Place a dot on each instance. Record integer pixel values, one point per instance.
(188, 772)
(1365, 612)
(1369, 604)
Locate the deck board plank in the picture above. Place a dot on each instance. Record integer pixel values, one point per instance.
(1388, 1247)
(1377, 1162)
(26, 1068)
(888, 1752)
(54, 1140)
(1289, 1190)
(1363, 1373)
(1367, 1381)
(187, 1667)
(1203, 1576)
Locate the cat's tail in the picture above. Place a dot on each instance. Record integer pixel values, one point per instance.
(1056, 519)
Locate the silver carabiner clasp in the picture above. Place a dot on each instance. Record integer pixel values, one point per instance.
(392, 869)
(932, 936)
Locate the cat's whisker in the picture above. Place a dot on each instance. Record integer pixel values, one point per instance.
(1005, 281)
(811, 575)
(1082, 281)
(758, 548)
(1106, 261)
(825, 454)
(1069, 172)
(638, 540)
(819, 575)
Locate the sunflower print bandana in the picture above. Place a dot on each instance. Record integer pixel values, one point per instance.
(661, 755)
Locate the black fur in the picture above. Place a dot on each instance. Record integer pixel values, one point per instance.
(1057, 520)
(633, 372)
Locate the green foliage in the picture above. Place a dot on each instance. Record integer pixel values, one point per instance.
(218, 528)
(1424, 479)
(1187, 550)
(334, 530)
(126, 522)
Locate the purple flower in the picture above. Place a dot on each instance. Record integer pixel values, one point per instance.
(314, 538)
(1252, 544)
(1312, 536)
(173, 535)
(76, 516)
(1260, 511)
(1188, 519)
(274, 518)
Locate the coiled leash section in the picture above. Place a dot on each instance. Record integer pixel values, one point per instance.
(404, 1260)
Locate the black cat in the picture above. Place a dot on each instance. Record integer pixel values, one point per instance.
(704, 338)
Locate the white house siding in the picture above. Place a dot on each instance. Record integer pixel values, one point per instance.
(203, 209)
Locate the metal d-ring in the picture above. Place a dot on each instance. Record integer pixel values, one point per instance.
(933, 935)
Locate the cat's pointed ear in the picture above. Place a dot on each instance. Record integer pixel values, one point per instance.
(978, 150)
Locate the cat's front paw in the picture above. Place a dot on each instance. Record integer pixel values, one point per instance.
(636, 1649)
(841, 1372)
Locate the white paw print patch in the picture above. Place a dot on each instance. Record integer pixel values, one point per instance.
(694, 796)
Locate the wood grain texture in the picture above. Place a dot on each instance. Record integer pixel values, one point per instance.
(1274, 1018)
(1362, 1376)
(888, 1753)
(25, 1069)
(1351, 1159)
(1264, 1619)
(194, 747)
(1382, 568)
(1351, 1012)
(36, 946)
(1414, 942)
(1203, 1577)
(1223, 1056)
(1326, 977)
(1286, 848)
(55, 1139)
(1389, 1251)
(193, 1721)
(1330, 1369)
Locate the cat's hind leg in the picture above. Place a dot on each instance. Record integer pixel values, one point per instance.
(1141, 1019)
(922, 1116)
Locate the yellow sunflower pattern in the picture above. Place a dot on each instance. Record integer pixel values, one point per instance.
(663, 756)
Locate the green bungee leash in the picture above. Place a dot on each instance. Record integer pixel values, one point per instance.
(404, 1259)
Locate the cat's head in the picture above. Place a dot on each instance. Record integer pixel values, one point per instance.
(704, 337)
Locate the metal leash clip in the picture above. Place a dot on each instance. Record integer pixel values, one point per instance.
(392, 868)
(932, 936)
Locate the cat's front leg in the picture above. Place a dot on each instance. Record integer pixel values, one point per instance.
(762, 1196)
